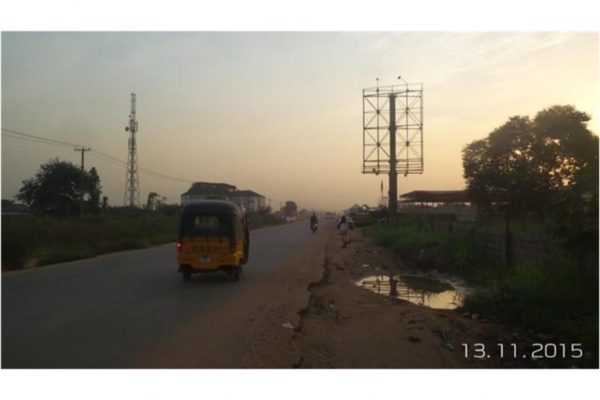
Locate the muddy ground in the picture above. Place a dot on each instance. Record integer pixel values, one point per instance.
(347, 326)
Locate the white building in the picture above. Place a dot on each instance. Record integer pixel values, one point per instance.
(248, 199)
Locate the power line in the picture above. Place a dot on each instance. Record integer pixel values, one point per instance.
(41, 138)
(94, 152)
(106, 159)
(116, 161)
(35, 140)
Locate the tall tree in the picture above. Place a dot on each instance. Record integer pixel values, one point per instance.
(56, 188)
(530, 161)
(93, 190)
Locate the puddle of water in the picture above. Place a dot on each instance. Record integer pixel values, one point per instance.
(416, 289)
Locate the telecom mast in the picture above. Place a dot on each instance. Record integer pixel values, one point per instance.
(132, 183)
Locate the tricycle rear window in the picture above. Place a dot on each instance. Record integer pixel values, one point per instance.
(210, 225)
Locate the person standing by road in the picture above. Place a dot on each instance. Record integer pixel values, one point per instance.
(343, 227)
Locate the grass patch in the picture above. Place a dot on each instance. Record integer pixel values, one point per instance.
(402, 238)
(556, 299)
(440, 251)
(553, 300)
(52, 241)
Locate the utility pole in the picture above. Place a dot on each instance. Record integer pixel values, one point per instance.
(82, 150)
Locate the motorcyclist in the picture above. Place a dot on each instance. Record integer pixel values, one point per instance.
(313, 220)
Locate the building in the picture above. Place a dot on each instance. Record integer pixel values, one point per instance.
(14, 209)
(251, 201)
(447, 202)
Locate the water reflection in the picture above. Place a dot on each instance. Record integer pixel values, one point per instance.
(416, 289)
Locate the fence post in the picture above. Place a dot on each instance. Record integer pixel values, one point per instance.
(508, 250)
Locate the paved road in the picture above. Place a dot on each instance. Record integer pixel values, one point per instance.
(132, 309)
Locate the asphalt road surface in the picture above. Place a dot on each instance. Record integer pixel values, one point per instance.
(133, 310)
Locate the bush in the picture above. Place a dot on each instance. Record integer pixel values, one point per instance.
(60, 240)
(553, 299)
(15, 253)
(436, 251)
(404, 239)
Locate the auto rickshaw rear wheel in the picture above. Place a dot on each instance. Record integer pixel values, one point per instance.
(187, 275)
(237, 273)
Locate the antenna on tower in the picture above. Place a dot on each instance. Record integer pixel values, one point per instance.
(132, 183)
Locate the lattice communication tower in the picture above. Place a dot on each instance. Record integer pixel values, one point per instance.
(132, 182)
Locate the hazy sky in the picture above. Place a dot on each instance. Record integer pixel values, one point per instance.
(277, 113)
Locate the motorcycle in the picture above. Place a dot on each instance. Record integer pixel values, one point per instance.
(314, 227)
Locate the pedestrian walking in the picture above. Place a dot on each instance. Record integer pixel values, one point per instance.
(343, 227)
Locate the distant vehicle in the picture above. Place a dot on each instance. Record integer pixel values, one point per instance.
(314, 226)
(213, 236)
(361, 219)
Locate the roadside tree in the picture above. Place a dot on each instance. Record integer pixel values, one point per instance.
(527, 163)
(56, 189)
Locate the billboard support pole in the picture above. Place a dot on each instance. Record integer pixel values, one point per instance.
(393, 197)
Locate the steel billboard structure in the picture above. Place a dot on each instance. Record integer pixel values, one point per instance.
(393, 133)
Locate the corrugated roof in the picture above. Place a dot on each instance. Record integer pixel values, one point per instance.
(436, 196)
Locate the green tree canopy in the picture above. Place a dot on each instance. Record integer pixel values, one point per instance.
(537, 159)
(56, 189)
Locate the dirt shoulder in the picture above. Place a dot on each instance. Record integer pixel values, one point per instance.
(346, 326)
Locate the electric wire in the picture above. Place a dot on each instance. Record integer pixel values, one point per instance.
(96, 153)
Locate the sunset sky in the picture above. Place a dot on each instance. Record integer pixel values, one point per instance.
(276, 113)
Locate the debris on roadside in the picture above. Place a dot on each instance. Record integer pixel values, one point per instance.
(287, 325)
(442, 334)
